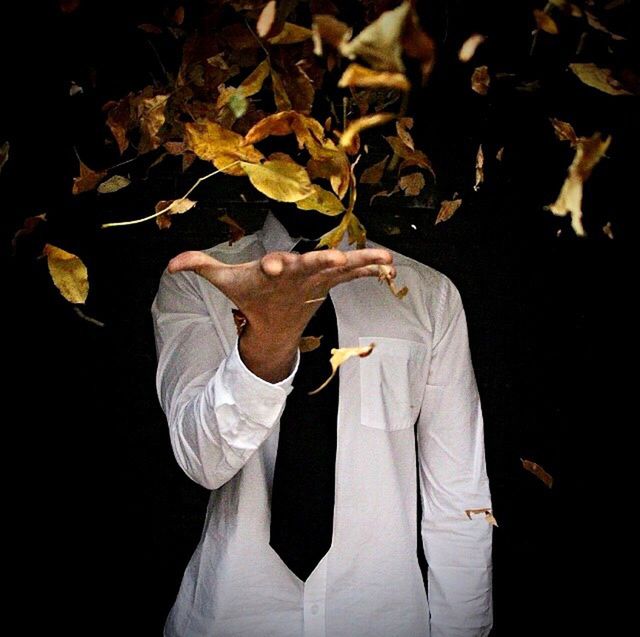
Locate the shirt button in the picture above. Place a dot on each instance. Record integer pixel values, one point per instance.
(314, 609)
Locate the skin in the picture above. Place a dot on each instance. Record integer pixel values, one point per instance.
(272, 293)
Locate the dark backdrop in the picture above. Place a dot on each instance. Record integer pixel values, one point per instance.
(101, 521)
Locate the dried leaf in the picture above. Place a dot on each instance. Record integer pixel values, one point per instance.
(28, 227)
(68, 273)
(479, 168)
(236, 231)
(384, 274)
(309, 343)
(488, 515)
(267, 19)
(598, 26)
(211, 141)
(418, 45)
(480, 80)
(357, 75)
(608, 230)
(500, 153)
(402, 126)
(412, 184)
(412, 157)
(321, 200)
(468, 49)
(87, 180)
(119, 121)
(360, 124)
(339, 356)
(379, 43)
(564, 131)
(448, 209)
(151, 116)
(385, 193)
(545, 22)
(327, 28)
(4, 154)
(283, 103)
(537, 471)
(291, 34)
(172, 207)
(392, 230)
(589, 151)
(374, 174)
(280, 180)
(113, 184)
(598, 78)
(567, 7)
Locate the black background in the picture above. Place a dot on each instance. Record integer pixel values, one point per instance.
(101, 522)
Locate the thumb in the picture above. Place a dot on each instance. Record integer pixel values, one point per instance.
(197, 262)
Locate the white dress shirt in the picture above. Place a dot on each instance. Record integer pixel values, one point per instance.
(224, 423)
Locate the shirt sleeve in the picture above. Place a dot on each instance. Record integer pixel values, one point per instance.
(217, 410)
(453, 479)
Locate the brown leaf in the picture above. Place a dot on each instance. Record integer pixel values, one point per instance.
(480, 80)
(119, 121)
(598, 78)
(187, 159)
(321, 200)
(608, 230)
(236, 231)
(341, 355)
(537, 471)
(545, 22)
(418, 45)
(279, 180)
(479, 168)
(357, 75)
(374, 174)
(379, 43)
(293, 89)
(178, 16)
(211, 141)
(412, 157)
(87, 180)
(151, 117)
(283, 103)
(291, 34)
(448, 209)
(589, 151)
(488, 515)
(68, 273)
(567, 7)
(172, 207)
(402, 126)
(309, 343)
(327, 28)
(564, 131)
(412, 184)
(175, 148)
(468, 49)
(384, 274)
(4, 154)
(360, 124)
(598, 26)
(385, 193)
(113, 184)
(28, 227)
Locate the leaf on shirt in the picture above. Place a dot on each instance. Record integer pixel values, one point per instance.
(171, 207)
(384, 274)
(488, 515)
(339, 356)
(480, 80)
(68, 272)
(309, 343)
(236, 231)
(537, 471)
(447, 209)
(479, 168)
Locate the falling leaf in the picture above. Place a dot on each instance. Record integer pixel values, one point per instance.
(178, 16)
(171, 207)
(608, 230)
(384, 274)
(500, 153)
(402, 128)
(412, 157)
(598, 78)
(589, 151)
(357, 75)
(87, 180)
(321, 200)
(291, 34)
(448, 209)
(545, 22)
(236, 231)
(151, 117)
(385, 193)
(392, 230)
(412, 184)
(28, 227)
(211, 141)
(480, 80)
(567, 7)
(267, 19)
(360, 124)
(248, 87)
(309, 343)
(68, 273)
(564, 131)
(119, 120)
(468, 49)
(280, 180)
(75, 89)
(327, 28)
(537, 471)
(4, 154)
(598, 26)
(113, 184)
(239, 320)
(379, 42)
(339, 356)
(479, 168)
(488, 515)
(374, 174)
(418, 45)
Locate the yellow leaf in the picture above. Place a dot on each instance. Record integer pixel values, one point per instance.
(468, 49)
(339, 356)
(545, 22)
(479, 168)
(361, 76)
(309, 343)
(333, 238)
(480, 80)
(290, 34)
(412, 184)
(448, 209)
(589, 151)
(283, 103)
(279, 179)
(412, 157)
(402, 128)
(599, 78)
(212, 142)
(357, 232)
(368, 121)
(68, 273)
(537, 471)
(151, 116)
(113, 184)
(321, 200)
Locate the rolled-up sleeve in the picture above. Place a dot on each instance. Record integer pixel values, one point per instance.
(453, 479)
(218, 411)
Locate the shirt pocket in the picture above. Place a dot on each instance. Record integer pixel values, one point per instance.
(392, 382)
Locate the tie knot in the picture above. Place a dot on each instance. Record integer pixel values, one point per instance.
(305, 245)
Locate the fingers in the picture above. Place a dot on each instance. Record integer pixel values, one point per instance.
(192, 260)
(333, 277)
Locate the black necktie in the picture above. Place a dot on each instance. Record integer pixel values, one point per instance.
(303, 489)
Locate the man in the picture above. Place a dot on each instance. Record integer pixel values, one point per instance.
(413, 402)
